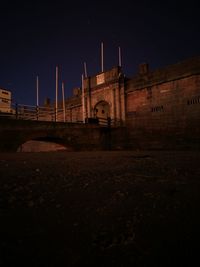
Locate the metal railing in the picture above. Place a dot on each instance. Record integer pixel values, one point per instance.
(38, 113)
(27, 112)
(107, 122)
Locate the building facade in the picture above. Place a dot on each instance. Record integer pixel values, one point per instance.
(160, 99)
(163, 102)
(103, 96)
(5, 101)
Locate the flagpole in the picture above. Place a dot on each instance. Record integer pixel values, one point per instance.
(120, 57)
(63, 97)
(102, 63)
(37, 91)
(37, 97)
(56, 106)
(85, 69)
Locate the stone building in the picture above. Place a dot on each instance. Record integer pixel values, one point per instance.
(103, 96)
(163, 98)
(164, 102)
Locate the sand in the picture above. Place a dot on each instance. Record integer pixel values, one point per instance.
(119, 208)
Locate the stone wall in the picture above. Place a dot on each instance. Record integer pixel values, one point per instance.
(165, 104)
(160, 108)
(77, 136)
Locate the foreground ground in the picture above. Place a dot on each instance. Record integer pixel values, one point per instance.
(100, 209)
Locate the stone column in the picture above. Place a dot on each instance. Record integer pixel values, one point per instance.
(113, 115)
(123, 110)
(117, 103)
(83, 99)
(89, 103)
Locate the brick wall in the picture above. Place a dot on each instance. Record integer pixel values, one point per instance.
(165, 103)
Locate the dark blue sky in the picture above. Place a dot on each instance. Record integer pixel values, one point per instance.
(35, 37)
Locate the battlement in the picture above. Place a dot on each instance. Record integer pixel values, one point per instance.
(169, 73)
(102, 78)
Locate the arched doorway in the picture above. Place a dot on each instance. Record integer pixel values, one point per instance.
(102, 111)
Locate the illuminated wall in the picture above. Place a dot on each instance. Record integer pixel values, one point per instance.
(163, 101)
(168, 99)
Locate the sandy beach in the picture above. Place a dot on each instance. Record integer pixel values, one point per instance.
(114, 208)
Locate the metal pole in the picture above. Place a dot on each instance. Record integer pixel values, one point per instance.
(102, 57)
(83, 98)
(120, 57)
(37, 88)
(63, 97)
(85, 69)
(56, 106)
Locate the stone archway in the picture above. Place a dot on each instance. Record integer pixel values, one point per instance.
(102, 110)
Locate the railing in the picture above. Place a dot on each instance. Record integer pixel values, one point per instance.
(27, 112)
(108, 122)
(37, 113)
(105, 122)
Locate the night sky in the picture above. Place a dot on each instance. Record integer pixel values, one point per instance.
(35, 37)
